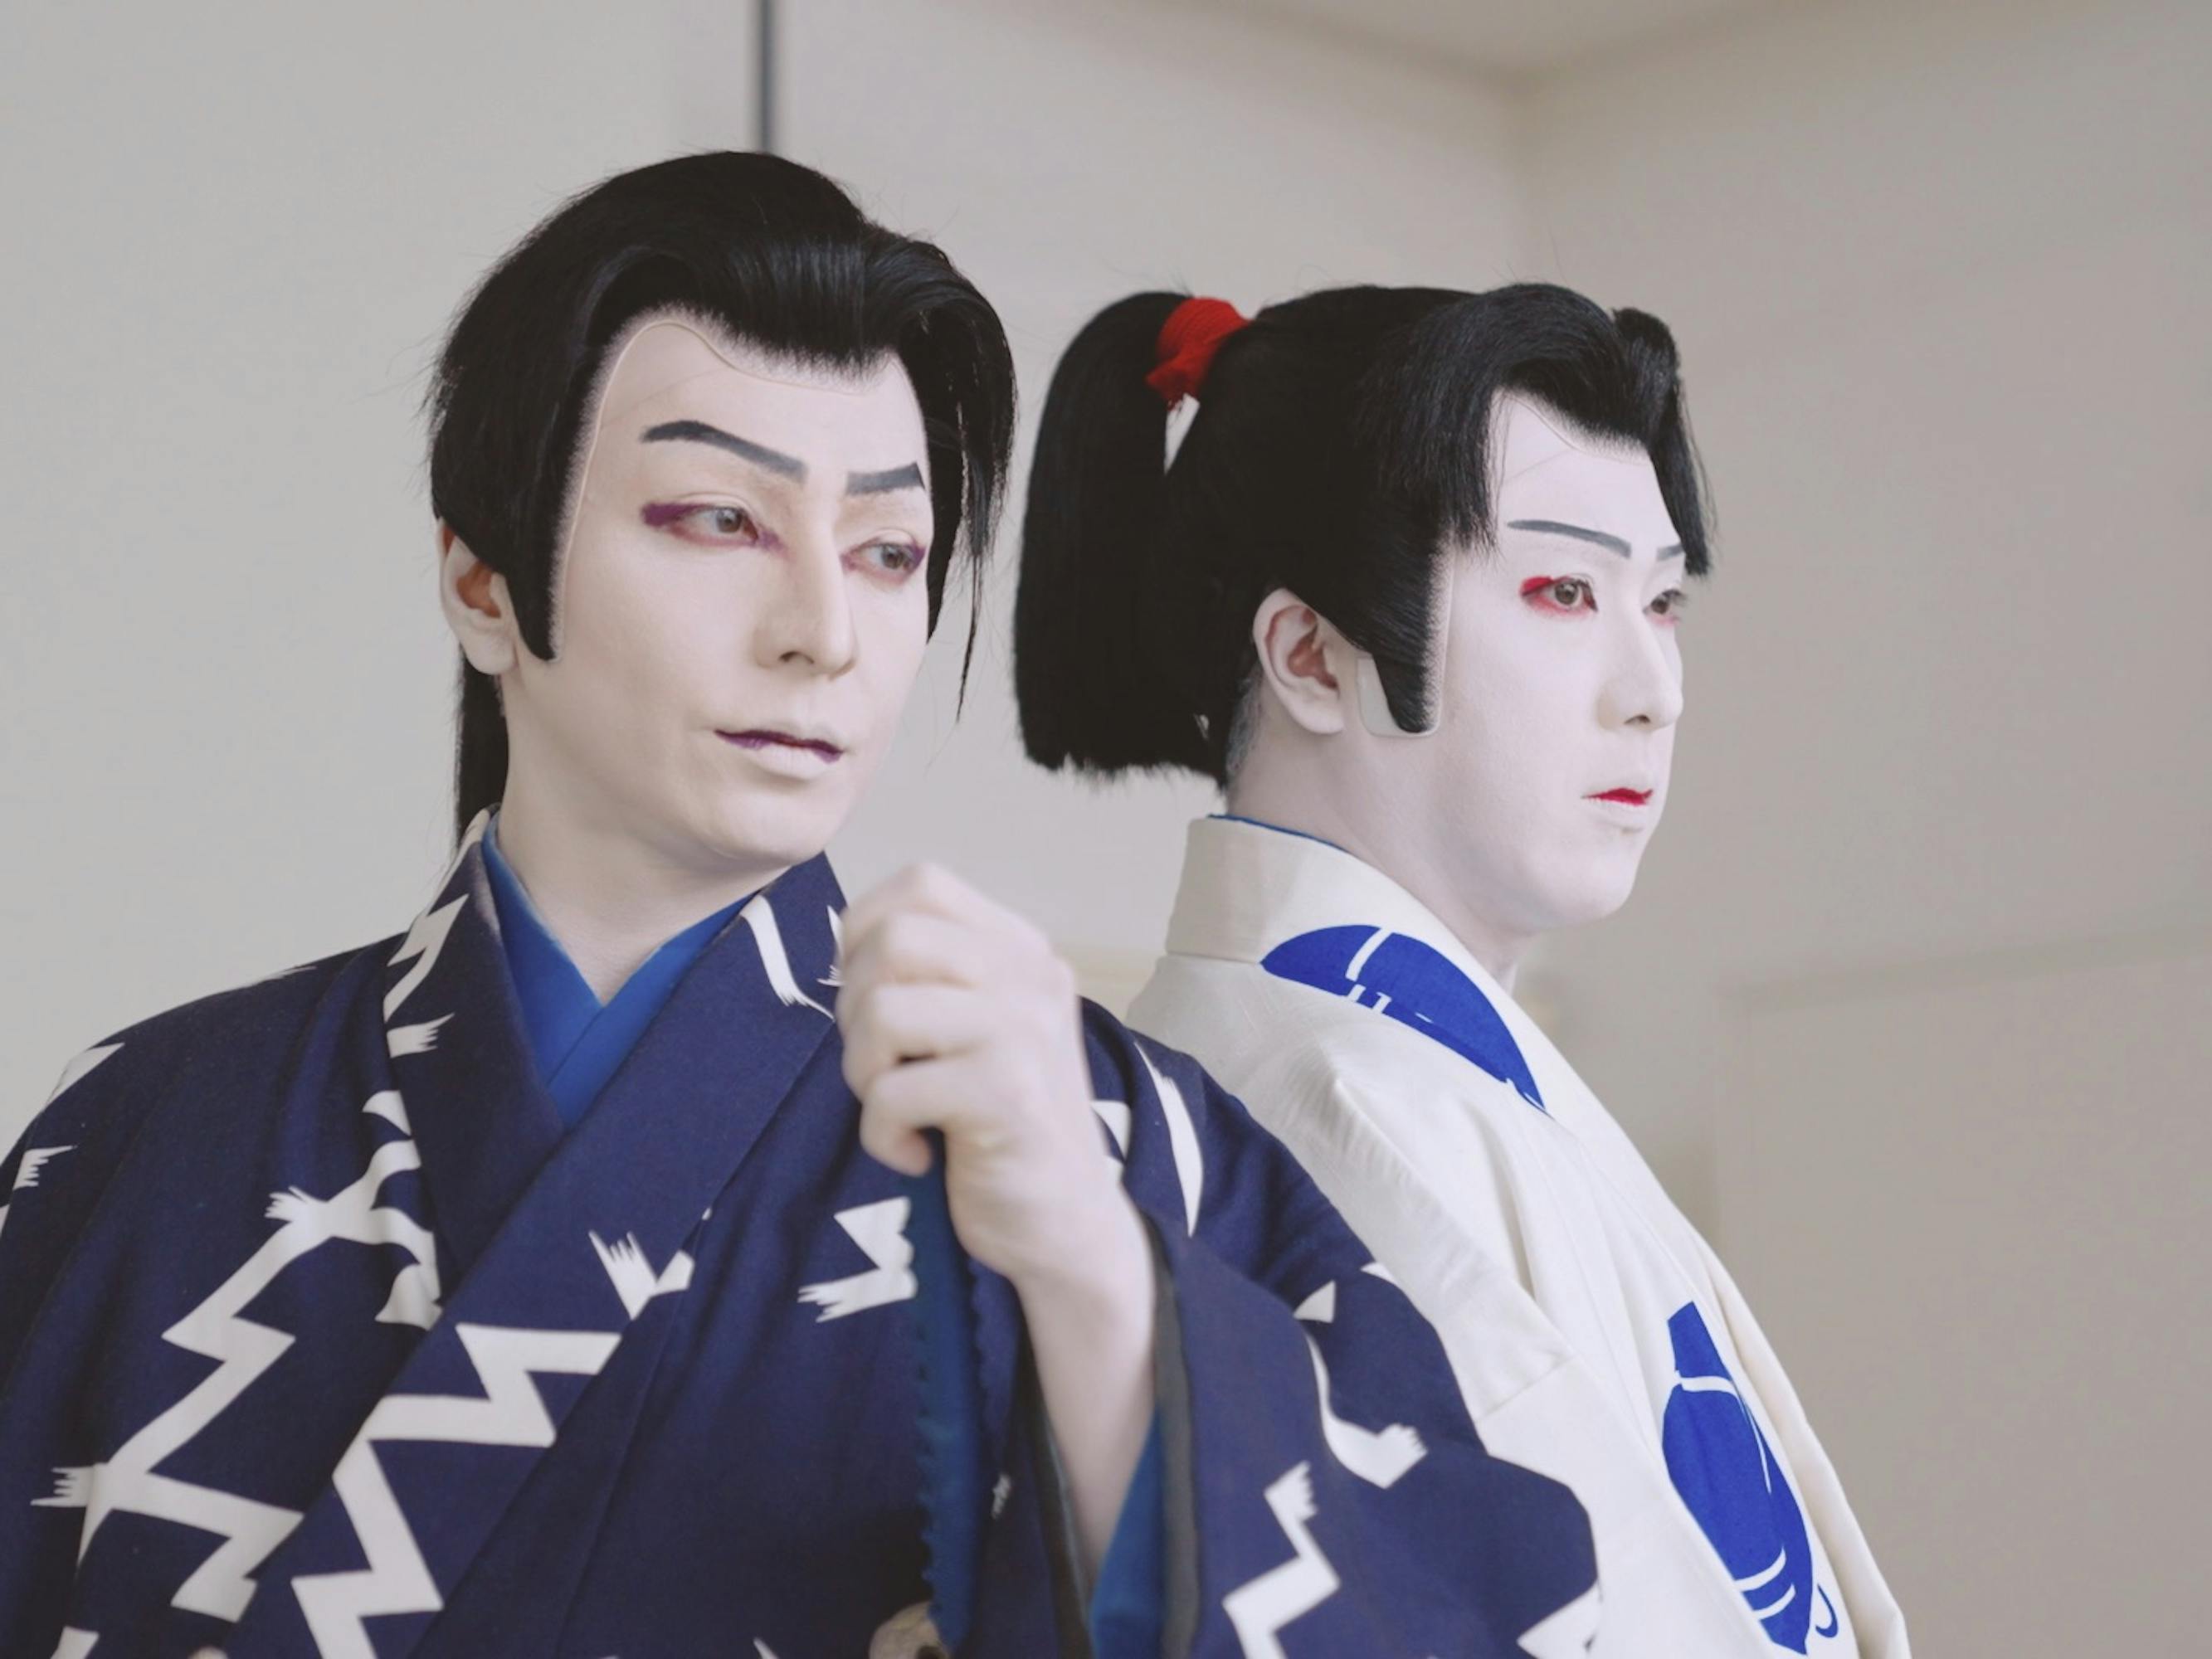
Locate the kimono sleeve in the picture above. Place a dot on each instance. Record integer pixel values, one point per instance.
(1447, 1221)
(1325, 1491)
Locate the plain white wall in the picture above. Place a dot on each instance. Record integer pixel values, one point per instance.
(234, 236)
(2007, 1363)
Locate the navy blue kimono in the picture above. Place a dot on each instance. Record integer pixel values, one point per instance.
(323, 1334)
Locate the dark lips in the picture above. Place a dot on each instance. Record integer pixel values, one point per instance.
(757, 739)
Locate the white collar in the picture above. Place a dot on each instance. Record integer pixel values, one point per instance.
(1248, 886)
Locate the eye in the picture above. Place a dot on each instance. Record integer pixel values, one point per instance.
(1668, 606)
(898, 560)
(1559, 593)
(716, 523)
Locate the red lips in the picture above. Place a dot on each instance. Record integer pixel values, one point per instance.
(1626, 797)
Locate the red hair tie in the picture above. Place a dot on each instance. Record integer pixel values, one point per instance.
(1191, 334)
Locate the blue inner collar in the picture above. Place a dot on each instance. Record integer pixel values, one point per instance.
(577, 1041)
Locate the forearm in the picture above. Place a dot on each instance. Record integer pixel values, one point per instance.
(1091, 1326)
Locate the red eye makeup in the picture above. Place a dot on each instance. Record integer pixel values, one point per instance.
(710, 523)
(1562, 595)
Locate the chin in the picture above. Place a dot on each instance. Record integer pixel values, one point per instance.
(1588, 895)
(780, 832)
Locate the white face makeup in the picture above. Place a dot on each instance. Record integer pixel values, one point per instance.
(740, 610)
(1560, 683)
(1528, 803)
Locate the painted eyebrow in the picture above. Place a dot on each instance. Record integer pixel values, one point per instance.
(698, 432)
(1551, 527)
(878, 483)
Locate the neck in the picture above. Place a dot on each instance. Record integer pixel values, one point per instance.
(609, 898)
(1360, 820)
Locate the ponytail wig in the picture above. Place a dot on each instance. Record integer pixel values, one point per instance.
(1342, 449)
(770, 251)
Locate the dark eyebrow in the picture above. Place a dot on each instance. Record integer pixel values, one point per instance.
(1549, 527)
(700, 433)
(876, 484)
(1672, 550)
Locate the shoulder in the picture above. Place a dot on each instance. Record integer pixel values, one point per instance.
(1214, 1007)
(272, 999)
(1430, 1160)
(1377, 1099)
(203, 1066)
(1309, 1064)
(1345, 1089)
(107, 1091)
(245, 1015)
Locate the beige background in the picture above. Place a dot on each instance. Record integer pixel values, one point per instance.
(1911, 1008)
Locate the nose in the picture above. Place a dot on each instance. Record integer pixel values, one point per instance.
(1644, 678)
(809, 621)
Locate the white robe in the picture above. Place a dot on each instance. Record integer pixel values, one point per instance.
(1562, 1278)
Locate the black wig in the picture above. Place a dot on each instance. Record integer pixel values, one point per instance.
(1341, 449)
(771, 250)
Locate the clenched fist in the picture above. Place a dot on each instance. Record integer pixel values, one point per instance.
(958, 1017)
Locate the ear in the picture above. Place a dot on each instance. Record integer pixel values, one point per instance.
(474, 599)
(1305, 663)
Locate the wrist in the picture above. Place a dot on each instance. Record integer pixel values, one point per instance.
(1101, 1265)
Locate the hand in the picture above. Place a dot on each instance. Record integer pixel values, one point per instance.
(957, 1016)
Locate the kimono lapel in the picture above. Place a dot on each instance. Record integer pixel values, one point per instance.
(462, 1064)
(592, 1233)
(1308, 912)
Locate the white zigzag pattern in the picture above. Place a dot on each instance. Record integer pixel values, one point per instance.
(879, 1229)
(511, 1413)
(424, 941)
(1182, 1140)
(760, 916)
(633, 1277)
(1258, 1610)
(36, 1158)
(835, 979)
(418, 1039)
(27, 1174)
(222, 1584)
(1378, 1456)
